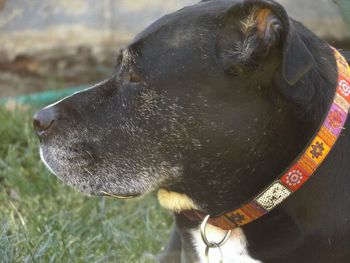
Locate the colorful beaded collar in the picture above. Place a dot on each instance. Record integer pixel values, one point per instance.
(300, 170)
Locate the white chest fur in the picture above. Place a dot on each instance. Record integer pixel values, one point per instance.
(234, 250)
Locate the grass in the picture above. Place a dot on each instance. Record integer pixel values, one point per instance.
(42, 220)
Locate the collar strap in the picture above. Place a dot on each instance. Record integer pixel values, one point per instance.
(300, 171)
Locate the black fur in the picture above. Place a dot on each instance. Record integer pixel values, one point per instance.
(205, 117)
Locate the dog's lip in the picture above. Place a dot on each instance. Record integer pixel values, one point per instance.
(104, 193)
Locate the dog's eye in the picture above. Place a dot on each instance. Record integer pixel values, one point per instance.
(133, 77)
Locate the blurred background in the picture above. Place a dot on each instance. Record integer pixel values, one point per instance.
(62, 43)
(59, 45)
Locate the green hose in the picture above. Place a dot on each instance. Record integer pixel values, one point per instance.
(42, 98)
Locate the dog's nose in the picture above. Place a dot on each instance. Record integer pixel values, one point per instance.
(44, 119)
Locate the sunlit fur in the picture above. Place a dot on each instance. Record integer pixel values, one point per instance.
(175, 201)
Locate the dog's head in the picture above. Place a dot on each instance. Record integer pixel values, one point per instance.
(195, 106)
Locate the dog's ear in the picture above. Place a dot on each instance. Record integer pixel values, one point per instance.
(249, 33)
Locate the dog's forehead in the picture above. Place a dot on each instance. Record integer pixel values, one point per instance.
(189, 19)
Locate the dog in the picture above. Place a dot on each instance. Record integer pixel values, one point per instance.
(207, 106)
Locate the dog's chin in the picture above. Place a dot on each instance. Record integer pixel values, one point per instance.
(92, 184)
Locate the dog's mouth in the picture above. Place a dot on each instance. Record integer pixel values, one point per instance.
(103, 193)
(118, 179)
(95, 170)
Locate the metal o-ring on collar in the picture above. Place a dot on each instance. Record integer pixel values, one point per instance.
(212, 244)
(221, 260)
(204, 235)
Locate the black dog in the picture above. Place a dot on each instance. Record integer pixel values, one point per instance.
(208, 105)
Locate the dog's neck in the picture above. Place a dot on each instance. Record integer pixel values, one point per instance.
(311, 117)
(320, 211)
